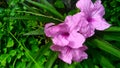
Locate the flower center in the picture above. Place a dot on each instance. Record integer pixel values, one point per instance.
(89, 19)
(65, 34)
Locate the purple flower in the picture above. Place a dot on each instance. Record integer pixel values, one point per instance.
(91, 17)
(68, 54)
(62, 35)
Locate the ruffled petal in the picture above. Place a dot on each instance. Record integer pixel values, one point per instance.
(76, 40)
(100, 23)
(56, 48)
(79, 54)
(51, 30)
(86, 28)
(73, 21)
(60, 40)
(85, 5)
(47, 29)
(66, 55)
(98, 8)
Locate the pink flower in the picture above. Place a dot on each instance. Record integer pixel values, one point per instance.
(90, 17)
(68, 54)
(62, 35)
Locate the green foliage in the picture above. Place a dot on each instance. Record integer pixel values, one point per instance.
(24, 45)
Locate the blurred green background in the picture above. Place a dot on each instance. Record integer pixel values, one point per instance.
(24, 45)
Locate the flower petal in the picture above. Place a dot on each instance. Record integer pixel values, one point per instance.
(84, 5)
(47, 29)
(51, 29)
(100, 23)
(73, 21)
(66, 55)
(60, 40)
(76, 40)
(79, 54)
(98, 8)
(85, 28)
(56, 48)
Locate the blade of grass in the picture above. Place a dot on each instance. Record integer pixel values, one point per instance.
(22, 17)
(113, 29)
(47, 3)
(112, 37)
(105, 62)
(51, 60)
(39, 31)
(104, 45)
(29, 8)
(41, 15)
(46, 7)
(63, 64)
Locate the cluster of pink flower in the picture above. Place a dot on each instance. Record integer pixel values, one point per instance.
(68, 37)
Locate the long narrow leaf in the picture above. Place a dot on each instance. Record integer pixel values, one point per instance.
(29, 8)
(113, 29)
(51, 60)
(105, 62)
(38, 14)
(103, 45)
(112, 37)
(47, 3)
(39, 31)
(46, 7)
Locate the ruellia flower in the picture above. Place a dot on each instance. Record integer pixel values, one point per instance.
(62, 35)
(68, 37)
(68, 54)
(91, 17)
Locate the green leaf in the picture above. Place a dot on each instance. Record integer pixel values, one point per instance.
(40, 53)
(51, 60)
(59, 4)
(118, 0)
(12, 52)
(112, 37)
(96, 66)
(41, 62)
(35, 48)
(42, 18)
(5, 50)
(62, 64)
(46, 7)
(89, 62)
(9, 59)
(22, 17)
(113, 29)
(39, 31)
(10, 42)
(55, 66)
(19, 54)
(20, 65)
(47, 3)
(105, 62)
(103, 45)
(3, 59)
(29, 8)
